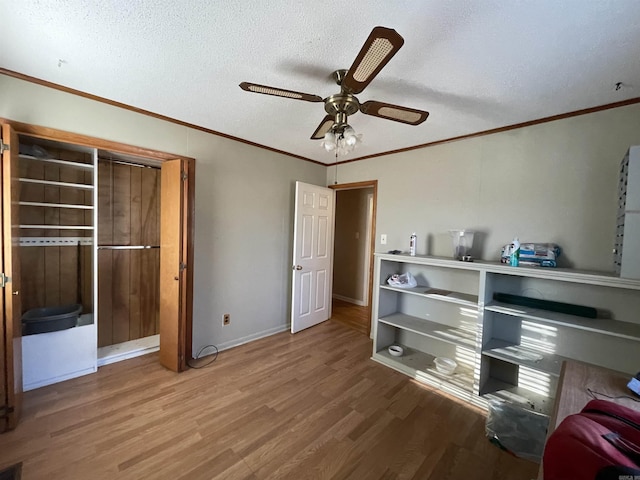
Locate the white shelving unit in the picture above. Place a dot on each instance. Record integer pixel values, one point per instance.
(503, 351)
(52, 357)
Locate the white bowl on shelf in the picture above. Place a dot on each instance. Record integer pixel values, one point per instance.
(445, 365)
(396, 350)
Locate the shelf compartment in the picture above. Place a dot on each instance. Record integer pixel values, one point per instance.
(65, 163)
(53, 183)
(523, 397)
(419, 365)
(519, 355)
(456, 336)
(458, 298)
(616, 328)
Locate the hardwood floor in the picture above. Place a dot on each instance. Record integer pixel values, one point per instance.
(311, 405)
(351, 315)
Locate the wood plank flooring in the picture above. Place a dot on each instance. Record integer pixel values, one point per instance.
(351, 315)
(311, 405)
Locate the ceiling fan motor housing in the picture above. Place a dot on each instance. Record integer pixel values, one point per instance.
(341, 105)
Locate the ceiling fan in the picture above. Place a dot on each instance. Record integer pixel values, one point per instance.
(381, 45)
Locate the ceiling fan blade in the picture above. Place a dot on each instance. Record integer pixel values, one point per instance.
(324, 127)
(396, 113)
(279, 92)
(382, 44)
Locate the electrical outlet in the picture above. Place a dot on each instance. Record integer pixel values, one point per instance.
(226, 319)
(383, 239)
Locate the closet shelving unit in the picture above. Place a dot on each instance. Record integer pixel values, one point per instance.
(55, 356)
(503, 351)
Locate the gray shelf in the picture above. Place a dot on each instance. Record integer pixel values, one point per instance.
(458, 298)
(516, 354)
(438, 331)
(616, 328)
(420, 366)
(502, 391)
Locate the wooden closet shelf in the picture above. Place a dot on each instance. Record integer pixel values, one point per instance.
(58, 227)
(53, 183)
(57, 205)
(86, 166)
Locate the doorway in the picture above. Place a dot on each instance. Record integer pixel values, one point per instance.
(354, 245)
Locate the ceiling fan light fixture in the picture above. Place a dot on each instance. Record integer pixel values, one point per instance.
(329, 142)
(350, 137)
(341, 139)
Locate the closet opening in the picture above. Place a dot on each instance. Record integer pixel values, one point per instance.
(96, 248)
(91, 245)
(128, 256)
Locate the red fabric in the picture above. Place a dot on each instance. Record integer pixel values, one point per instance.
(577, 449)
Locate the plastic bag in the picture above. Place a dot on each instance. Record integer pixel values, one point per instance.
(403, 280)
(517, 430)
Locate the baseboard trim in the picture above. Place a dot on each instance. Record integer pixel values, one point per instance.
(249, 338)
(362, 303)
(61, 378)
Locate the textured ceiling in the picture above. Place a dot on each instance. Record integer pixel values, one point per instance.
(474, 65)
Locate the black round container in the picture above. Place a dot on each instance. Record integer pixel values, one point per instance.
(50, 319)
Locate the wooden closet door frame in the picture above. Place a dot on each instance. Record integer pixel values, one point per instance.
(11, 326)
(186, 310)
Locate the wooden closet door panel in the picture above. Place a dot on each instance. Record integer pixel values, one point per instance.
(172, 329)
(121, 298)
(11, 373)
(105, 296)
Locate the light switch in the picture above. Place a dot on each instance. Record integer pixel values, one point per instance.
(383, 239)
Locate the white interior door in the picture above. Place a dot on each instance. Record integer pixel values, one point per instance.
(312, 256)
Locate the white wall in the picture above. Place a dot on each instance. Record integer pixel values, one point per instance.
(553, 182)
(244, 199)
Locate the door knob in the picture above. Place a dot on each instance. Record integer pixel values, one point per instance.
(16, 292)
(298, 267)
